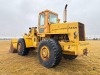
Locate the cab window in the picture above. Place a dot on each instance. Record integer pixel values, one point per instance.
(42, 19)
(53, 18)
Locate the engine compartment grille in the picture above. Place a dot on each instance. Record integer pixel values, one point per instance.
(81, 32)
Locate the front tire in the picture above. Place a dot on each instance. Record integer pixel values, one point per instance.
(70, 57)
(21, 47)
(49, 53)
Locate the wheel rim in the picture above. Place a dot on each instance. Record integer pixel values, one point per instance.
(19, 47)
(44, 52)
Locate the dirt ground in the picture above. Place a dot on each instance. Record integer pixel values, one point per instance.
(13, 64)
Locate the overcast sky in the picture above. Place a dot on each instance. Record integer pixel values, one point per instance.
(16, 16)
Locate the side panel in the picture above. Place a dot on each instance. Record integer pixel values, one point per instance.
(59, 28)
(28, 42)
(79, 48)
(31, 38)
(68, 46)
(75, 30)
(72, 29)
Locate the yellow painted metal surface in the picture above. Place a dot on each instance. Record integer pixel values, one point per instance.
(81, 47)
(76, 48)
(14, 43)
(28, 42)
(31, 38)
(66, 28)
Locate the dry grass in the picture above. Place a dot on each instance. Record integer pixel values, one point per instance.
(13, 64)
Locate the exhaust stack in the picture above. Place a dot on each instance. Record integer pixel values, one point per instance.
(65, 13)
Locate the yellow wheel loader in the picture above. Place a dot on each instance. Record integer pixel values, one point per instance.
(52, 39)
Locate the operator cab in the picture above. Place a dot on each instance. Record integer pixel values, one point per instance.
(46, 18)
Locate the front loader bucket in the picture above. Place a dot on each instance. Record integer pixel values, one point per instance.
(13, 46)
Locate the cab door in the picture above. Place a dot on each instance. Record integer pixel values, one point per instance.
(41, 22)
(43, 26)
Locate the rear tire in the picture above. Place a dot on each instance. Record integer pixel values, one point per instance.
(54, 52)
(21, 47)
(70, 57)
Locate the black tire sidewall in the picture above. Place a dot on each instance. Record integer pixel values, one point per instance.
(51, 60)
(23, 51)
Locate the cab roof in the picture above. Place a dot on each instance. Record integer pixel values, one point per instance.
(48, 11)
